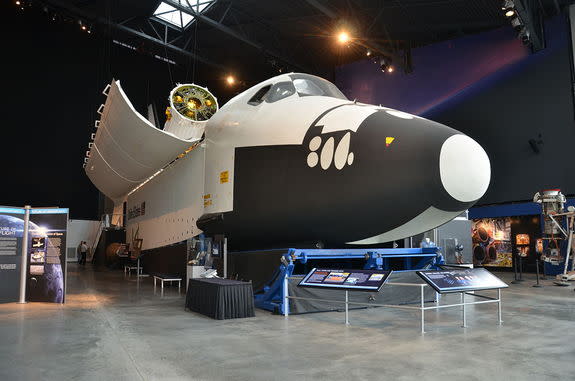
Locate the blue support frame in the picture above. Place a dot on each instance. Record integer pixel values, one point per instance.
(272, 296)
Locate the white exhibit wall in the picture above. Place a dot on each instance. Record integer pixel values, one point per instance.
(166, 209)
(80, 230)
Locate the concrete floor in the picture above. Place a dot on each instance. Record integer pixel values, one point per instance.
(111, 328)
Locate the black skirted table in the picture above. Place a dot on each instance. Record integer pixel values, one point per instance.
(221, 298)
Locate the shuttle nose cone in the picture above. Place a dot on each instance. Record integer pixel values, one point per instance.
(464, 168)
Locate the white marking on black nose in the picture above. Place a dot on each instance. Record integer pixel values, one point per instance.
(327, 153)
(342, 151)
(464, 168)
(314, 143)
(312, 159)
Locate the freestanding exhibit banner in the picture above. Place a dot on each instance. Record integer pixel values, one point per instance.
(47, 255)
(11, 233)
(39, 276)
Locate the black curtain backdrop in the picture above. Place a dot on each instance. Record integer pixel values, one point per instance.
(52, 76)
(531, 101)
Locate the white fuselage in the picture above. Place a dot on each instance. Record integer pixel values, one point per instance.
(327, 146)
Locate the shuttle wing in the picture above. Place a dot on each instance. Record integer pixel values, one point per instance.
(127, 148)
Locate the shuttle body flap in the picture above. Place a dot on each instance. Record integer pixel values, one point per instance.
(127, 148)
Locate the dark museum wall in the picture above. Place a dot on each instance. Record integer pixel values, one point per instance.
(52, 77)
(485, 85)
(489, 87)
(45, 80)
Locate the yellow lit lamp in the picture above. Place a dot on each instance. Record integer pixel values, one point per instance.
(522, 239)
(539, 245)
(522, 242)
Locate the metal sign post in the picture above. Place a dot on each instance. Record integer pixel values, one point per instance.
(346, 308)
(225, 256)
(24, 259)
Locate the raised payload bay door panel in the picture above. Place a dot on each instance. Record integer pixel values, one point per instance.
(127, 148)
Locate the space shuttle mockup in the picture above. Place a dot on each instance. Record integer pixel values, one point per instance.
(288, 161)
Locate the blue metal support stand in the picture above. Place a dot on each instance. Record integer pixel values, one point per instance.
(272, 297)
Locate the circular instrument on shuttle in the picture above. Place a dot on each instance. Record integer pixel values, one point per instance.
(193, 102)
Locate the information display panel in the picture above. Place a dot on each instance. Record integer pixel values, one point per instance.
(47, 255)
(461, 279)
(11, 236)
(362, 280)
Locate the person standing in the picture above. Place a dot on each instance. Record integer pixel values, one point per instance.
(83, 252)
(78, 252)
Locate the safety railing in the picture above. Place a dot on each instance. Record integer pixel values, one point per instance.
(421, 307)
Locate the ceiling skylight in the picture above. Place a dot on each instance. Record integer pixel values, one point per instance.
(176, 17)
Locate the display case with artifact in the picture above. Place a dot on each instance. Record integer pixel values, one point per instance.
(558, 233)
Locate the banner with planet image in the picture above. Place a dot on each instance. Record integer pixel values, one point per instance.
(46, 261)
(47, 255)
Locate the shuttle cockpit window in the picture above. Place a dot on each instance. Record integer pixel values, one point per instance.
(280, 91)
(259, 96)
(307, 85)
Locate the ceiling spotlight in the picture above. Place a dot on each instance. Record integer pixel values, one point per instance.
(368, 53)
(509, 8)
(230, 80)
(508, 4)
(516, 23)
(18, 3)
(525, 37)
(343, 37)
(83, 27)
(385, 65)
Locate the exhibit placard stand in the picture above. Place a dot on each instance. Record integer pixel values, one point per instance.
(537, 284)
(518, 269)
(457, 280)
(136, 253)
(347, 280)
(465, 281)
